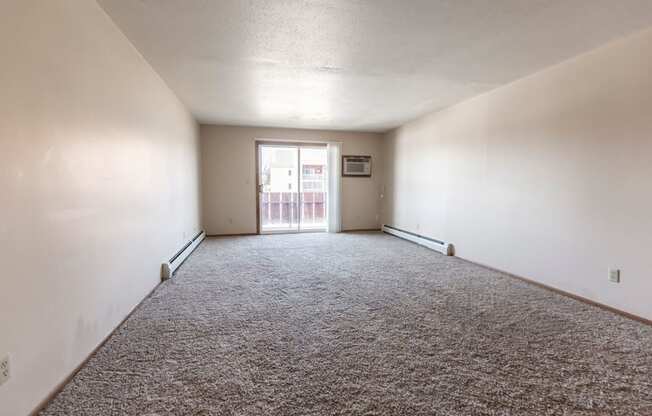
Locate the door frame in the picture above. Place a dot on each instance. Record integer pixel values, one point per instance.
(257, 184)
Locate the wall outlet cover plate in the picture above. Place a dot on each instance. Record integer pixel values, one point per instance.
(4, 369)
(614, 275)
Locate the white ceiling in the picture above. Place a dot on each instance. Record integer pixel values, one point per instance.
(366, 65)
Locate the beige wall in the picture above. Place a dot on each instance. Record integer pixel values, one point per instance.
(548, 178)
(229, 176)
(99, 179)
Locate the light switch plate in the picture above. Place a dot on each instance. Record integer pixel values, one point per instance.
(4, 369)
(614, 275)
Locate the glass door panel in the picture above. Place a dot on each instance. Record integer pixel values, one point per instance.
(313, 182)
(278, 184)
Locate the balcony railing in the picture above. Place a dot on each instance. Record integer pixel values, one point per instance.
(282, 210)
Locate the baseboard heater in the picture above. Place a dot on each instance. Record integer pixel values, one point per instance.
(169, 267)
(445, 248)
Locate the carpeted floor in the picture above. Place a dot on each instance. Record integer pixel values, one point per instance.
(359, 324)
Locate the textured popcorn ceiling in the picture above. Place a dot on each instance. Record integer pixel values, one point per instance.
(357, 65)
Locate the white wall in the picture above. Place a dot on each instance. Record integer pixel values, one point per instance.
(229, 176)
(547, 178)
(99, 178)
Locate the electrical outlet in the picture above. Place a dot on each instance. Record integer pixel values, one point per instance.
(614, 275)
(4, 370)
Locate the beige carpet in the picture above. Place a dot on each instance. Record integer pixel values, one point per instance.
(360, 324)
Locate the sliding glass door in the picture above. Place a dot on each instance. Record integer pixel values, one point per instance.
(292, 187)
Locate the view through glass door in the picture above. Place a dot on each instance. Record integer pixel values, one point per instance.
(292, 187)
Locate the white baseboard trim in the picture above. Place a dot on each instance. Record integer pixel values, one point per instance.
(169, 267)
(444, 248)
